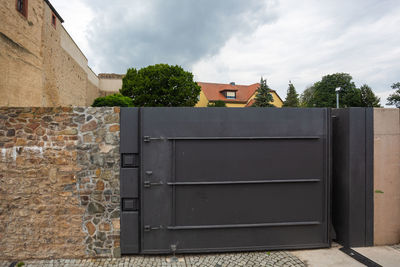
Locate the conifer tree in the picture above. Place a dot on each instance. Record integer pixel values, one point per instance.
(292, 98)
(263, 95)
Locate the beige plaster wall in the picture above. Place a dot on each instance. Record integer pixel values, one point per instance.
(386, 176)
(92, 92)
(92, 77)
(110, 85)
(71, 48)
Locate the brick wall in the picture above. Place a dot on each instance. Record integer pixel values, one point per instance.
(59, 182)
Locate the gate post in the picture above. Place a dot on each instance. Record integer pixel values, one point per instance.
(352, 176)
(129, 180)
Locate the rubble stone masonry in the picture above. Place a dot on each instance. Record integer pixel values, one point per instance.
(59, 183)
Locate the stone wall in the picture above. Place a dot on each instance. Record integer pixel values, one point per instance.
(98, 178)
(21, 59)
(40, 64)
(65, 80)
(59, 182)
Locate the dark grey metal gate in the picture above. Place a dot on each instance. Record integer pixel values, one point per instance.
(220, 179)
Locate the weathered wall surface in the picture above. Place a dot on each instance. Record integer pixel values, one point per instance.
(98, 179)
(92, 92)
(41, 65)
(59, 182)
(110, 83)
(21, 81)
(386, 176)
(25, 31)
(65, 79)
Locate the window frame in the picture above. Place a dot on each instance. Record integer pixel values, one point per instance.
(24, 10)
(233, 96)
(54, 20)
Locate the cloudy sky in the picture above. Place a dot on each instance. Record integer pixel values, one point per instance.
(236, 40)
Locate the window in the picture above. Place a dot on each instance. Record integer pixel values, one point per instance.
(230, 94)
(53, 20)
(22, 7)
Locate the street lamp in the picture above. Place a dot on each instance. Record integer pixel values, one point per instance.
(337, 96)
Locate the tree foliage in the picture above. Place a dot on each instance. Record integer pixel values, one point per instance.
(263, 95)
(306, 96)
(160, 85)
(216, 104)
(115, 100)
(394, 99)
(292, 98)
(323, 93)
(368, 98)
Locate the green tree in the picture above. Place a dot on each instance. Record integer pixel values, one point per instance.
(324, 93)
(292, 98)
(306, 97)
(160, 85)
(216, 104)
(263, 95)
(394, 99)
(115, 100)
(368, 98)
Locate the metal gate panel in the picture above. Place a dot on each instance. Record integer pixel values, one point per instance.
(219, 179)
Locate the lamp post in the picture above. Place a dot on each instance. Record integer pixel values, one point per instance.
(337, 96)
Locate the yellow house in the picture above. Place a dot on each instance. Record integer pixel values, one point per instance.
(233, 95)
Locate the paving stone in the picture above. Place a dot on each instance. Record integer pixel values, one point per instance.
(396, 247)
(256, 259)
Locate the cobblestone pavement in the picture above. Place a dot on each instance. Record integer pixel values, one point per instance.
(278, 258)
(396, 247)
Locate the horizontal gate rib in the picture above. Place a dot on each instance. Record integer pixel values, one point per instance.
(253, 225)
(247, 182)
(242, 137)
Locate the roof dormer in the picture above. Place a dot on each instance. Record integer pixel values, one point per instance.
(229, 93)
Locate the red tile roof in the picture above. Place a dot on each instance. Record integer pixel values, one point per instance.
(251, 102)
(213, 91)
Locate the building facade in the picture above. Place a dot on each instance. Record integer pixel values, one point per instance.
(233, 95)
(40, 64)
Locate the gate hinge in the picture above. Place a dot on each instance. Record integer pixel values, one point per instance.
(148, 184)
(147, 138)
(148, 228)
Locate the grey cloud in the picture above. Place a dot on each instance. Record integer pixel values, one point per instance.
(139, 33)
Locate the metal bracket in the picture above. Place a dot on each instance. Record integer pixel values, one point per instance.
(147, 138)
(148, 228)
(149, 184)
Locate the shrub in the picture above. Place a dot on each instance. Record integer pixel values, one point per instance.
(115, 100)
(216, 104)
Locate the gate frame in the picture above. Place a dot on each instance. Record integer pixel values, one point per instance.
(353, 131)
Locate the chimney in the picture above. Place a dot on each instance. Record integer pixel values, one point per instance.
(232, 83)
